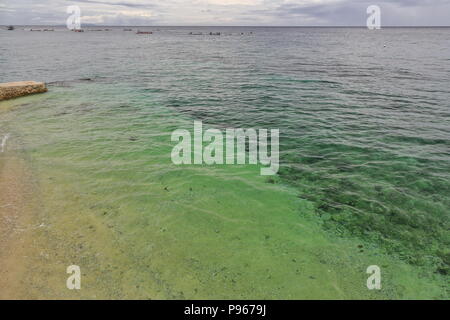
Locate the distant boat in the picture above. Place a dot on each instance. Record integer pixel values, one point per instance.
(78, 30)
(127, 29)
(10, 28)
(144, 32)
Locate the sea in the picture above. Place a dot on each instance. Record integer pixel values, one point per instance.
(364, 177)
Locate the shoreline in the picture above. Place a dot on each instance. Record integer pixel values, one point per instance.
(33, 255)
(15, 226)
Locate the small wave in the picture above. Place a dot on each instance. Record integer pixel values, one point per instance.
(69, 83)
(3, 144)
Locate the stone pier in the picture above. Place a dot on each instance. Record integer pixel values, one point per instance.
(11, 90)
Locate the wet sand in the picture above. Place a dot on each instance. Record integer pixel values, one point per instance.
(16, 227)
(33, 256)
(36, 247)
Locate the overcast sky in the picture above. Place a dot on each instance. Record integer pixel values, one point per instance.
(226, 12)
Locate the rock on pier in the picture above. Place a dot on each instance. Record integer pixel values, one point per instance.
(11, 90)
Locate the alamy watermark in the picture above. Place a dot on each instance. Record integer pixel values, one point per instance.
(374, 280)
(233, 146)
(74, 280)
(374, 19)
(73, 22)
(3, 142)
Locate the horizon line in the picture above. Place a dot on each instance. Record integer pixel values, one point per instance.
(227, 26)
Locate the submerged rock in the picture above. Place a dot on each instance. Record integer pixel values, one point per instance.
(11, 90)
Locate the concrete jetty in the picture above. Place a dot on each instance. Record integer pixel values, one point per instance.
(11, 90)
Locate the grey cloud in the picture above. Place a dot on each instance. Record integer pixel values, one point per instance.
(201, 12)
(121, 4)
(353, 13)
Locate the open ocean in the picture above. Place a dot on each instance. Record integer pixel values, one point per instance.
(364, 179)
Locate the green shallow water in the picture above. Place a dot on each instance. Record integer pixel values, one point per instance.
(141, 227)
(364, 147)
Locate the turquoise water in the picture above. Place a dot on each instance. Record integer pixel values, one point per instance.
(364, 178)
